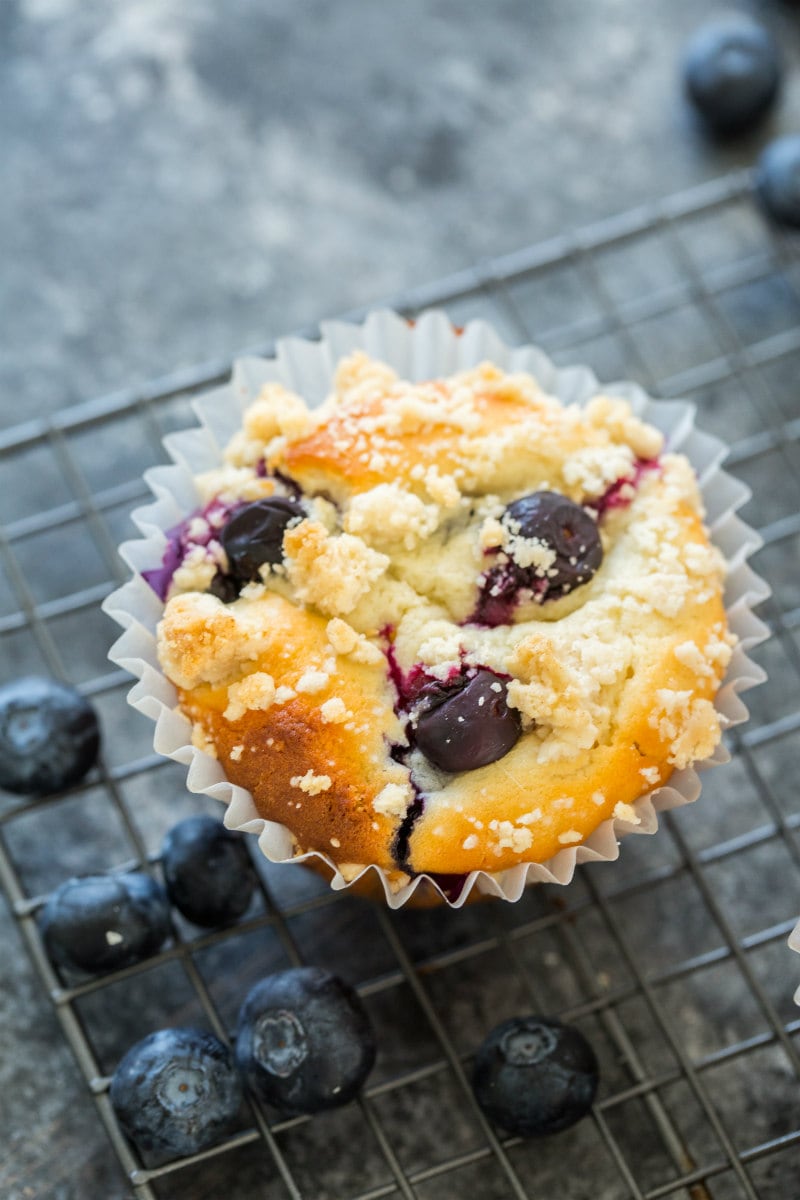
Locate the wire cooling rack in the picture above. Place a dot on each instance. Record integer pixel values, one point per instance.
(673, 961)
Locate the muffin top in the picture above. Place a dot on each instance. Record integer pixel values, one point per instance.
(445, 626)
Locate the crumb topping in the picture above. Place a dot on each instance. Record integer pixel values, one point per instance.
(310, 783)
(311, 682)
(335, 711)
(332, 573)
(201, 641)
(393, 800)
(201, 740)
(570, 837)
(254, 692)
(232, 485)
(688, 724)
(195, 572)
(387, 514)
(627, 813)
(342, 636)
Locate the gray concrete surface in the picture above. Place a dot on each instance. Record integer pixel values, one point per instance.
(182, 180)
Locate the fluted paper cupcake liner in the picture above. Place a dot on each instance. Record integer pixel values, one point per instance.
(429, 348)
(794, 943)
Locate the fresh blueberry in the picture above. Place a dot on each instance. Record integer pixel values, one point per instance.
(778, 179)
(176, 1092)
(224, 587)
(466, 723)
(103, 922)
(304, 1041)
(49, 736)
(534, 1076)
(566, 530)
(253, 536)
(732, 72)
(207, 870)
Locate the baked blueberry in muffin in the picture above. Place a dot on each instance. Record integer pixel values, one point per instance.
(445, 626)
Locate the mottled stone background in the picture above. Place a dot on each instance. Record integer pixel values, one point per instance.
(183, 179)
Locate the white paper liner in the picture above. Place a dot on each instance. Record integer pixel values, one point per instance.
(794, 944)
(427, 349)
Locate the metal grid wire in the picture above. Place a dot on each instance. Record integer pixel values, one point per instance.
(673, 961)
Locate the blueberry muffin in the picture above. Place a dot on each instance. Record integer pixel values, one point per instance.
(445, 626)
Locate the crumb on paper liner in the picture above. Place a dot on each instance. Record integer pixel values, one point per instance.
(428, 348)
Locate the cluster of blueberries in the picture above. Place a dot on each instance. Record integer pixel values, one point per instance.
(732, 74)
(303, 1042)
